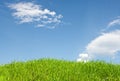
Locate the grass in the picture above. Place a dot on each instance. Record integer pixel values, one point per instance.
(59, 70)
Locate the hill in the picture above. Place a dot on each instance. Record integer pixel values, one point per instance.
(59, 70)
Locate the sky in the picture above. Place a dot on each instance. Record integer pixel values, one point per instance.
(75, 30)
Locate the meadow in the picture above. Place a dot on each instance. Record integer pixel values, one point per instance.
(59, 70)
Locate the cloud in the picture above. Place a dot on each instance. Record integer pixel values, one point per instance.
(83, 57)
(114, 22)
(107, 44)
(28, 12)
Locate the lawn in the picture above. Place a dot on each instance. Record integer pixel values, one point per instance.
(59, 70)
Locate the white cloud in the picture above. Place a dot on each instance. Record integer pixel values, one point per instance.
(83, 57)
(114, 22)
(107, 44)
(27, 12)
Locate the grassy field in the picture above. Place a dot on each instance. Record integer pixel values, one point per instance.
(59, 70)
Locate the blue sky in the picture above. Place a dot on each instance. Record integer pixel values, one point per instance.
(78, 24)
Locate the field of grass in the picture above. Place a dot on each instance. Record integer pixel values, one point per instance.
(59, 70)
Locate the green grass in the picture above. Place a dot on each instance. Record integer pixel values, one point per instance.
(59, 70)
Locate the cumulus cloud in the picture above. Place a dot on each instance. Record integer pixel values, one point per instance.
(107, 44)
(28, 12)
(83, 57)
(114, 22)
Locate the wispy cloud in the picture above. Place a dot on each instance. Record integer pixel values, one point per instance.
(28, 12)
(114, 22)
